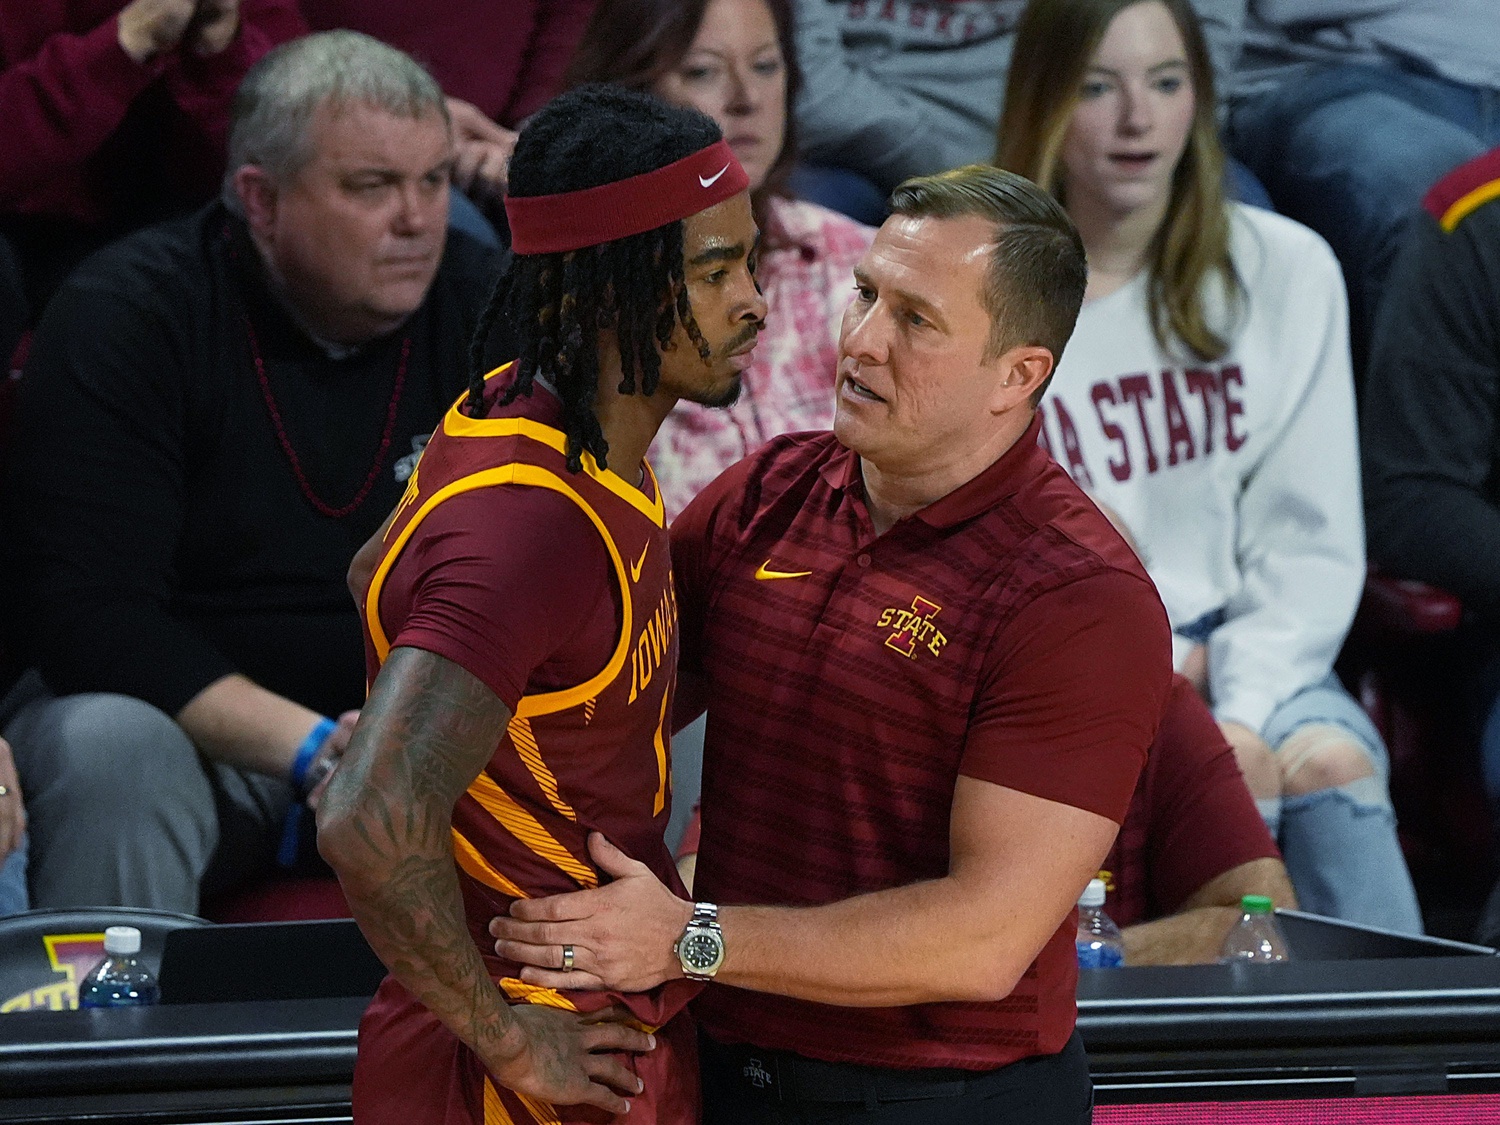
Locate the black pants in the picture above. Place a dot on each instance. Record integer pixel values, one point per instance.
(748, 1086)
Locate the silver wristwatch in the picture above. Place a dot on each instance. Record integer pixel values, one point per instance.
(700, 949)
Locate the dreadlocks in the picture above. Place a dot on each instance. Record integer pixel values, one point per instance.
(557, 303)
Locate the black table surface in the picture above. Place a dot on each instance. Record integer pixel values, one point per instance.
(1401, 1026)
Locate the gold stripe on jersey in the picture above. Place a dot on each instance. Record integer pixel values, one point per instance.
(1465, 204)
(524, 739)
(495, 1112)
(458, 424)
(661, 757)
(528, 830)
(542, 1111)
(522, 993)
(547, 703)
(479, 868)
(408, 498)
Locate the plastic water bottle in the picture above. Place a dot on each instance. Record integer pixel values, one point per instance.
(1256, 937)
(120, 980)
(1100, 945)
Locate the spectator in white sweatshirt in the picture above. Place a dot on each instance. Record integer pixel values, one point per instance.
(1206, 398)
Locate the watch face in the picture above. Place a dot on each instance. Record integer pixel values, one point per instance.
(701, 951)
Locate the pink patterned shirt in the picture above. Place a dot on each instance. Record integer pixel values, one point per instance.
(808, 281)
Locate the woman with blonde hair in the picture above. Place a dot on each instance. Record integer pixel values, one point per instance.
(1206, 398)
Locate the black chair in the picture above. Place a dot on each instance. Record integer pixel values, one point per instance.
(268, 961)
(1405, 662)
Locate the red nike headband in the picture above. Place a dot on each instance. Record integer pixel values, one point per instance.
(552, 224)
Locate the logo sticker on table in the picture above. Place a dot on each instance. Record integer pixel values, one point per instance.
(70, 956)
(914, 628)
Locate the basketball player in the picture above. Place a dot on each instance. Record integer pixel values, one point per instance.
(521, 630)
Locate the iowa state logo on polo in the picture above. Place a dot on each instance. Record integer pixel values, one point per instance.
(915, 631)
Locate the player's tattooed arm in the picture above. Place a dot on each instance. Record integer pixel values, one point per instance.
(427, 729)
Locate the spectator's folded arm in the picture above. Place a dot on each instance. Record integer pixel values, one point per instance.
(204, 86)
(59, 106)
(559, 27)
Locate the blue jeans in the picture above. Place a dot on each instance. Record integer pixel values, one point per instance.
(1340, 844)
(13, 897)
(1351, 150)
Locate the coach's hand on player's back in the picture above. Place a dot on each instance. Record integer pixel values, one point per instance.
(623, 934)
(550, 1054)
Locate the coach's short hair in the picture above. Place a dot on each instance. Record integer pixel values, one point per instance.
(1037, 271)
(278, 97)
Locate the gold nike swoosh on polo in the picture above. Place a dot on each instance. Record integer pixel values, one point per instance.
(635, 567)
(763, 574)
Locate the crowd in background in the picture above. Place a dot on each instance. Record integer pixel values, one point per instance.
(230, 340)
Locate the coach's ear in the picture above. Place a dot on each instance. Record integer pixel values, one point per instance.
(1023, 372)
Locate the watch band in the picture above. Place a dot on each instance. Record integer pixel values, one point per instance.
(700, 949)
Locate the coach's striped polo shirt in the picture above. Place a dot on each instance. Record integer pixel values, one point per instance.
(1005, 632)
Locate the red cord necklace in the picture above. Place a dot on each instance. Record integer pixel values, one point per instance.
(322, 506)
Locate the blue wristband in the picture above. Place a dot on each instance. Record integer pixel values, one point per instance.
(291, 829)
(309, 750)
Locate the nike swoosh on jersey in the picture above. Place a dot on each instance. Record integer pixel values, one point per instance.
(765, 574)
(635, 567)
(714, 178)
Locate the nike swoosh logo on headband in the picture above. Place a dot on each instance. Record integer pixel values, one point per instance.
(714, 178)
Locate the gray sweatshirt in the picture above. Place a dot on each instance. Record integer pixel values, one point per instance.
(898, 88)
(1285, 39)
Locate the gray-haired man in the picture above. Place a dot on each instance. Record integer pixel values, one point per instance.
(217, 412)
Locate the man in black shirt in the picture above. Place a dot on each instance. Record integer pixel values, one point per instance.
(217, 412)
(1431, 426)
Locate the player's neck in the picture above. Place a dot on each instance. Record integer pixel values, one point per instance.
(629, 422)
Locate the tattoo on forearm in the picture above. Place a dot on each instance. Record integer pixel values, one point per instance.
(427, 730)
